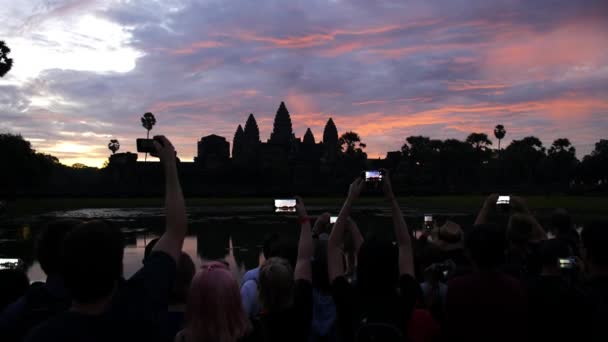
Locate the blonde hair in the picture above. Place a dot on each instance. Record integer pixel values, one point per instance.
(276, 284)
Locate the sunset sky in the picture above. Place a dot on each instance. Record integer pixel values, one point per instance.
(86, 70)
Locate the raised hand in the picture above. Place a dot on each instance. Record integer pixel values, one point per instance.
(387, 187)
(355, 188)
(300, 207)
(322, 224)
(164, 149)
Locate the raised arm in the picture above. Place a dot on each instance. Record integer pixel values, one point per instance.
(489, 205)
(519, 205)
(305, 246)
(175, 208)
(406, 256)
(355, 234)
(335, 263)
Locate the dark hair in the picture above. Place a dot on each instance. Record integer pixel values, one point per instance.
(283, 247)
(93, 255)
(561, 221)
(486, 244)
(520, 228)
(149, 247)
(14, 285)
(595, 239)
(269, 241)
(378, 265)
(320, 277)
(551, 251)
(50, 244)
(183, 278)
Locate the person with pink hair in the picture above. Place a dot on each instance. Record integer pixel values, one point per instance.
(214, 311)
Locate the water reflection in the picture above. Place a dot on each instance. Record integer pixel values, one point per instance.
(232, 234)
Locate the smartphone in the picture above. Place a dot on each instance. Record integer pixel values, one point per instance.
(567, 263)
(428, 222)
(285, 205)
(333, 219)
(10, 264)
(373, 176)
(145, 146)
(503, 200)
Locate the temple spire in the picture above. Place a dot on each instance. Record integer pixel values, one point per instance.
(252, 132)
(282, 132)
(330, 133)
(238, 142)
(309, 138)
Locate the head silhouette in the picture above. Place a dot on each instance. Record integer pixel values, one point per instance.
(486, 246)
(276, 284)
(214, 311)
(50, 244)
(378, 268)
(92, 260)
(595, 239)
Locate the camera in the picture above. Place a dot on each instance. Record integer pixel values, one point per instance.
(147, 145)
(285, 205)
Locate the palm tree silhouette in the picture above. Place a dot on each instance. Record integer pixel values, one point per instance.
(499, 133)
(148, 121)
(5, 63)
(114, 145)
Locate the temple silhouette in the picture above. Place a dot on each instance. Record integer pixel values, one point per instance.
(281, 164)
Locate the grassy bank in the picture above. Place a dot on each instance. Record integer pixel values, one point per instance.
(577, 205)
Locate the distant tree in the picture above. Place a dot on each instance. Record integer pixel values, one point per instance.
(562, 162)
(22, 168)
(148, 121)
(499, 133)
(479, 141)
(594, 167)
(6, 63)
(79, 166)
(114, 145)
(351, 144)
(522, 161)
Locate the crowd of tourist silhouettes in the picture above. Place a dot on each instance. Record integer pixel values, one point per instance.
(503, 279)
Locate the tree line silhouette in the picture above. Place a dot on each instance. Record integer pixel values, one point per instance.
(423, 165)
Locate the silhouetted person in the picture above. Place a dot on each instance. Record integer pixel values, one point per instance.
(563, 228)
(380, 304)
(486, 305)
(214, 309)
(555, 304)
(43, 299)
(595, 253)
(14, 284)
(274, 245)
(285, 293)
(104, 306)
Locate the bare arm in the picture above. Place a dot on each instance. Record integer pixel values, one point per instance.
(335, 263)
(175, 208)
(519, 205)
(406, 257)
(489, 205)
(356, 235)
(305, 246)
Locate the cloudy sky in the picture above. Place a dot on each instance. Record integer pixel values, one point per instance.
(86, 70)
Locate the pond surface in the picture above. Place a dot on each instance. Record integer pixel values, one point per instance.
(235, 234)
